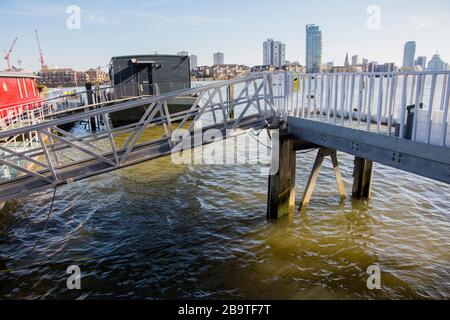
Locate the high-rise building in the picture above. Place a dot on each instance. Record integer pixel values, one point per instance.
(330, 66)
(365, 65)
(346, 62)
(274, 53)
(437, 64)
(313, 48)
(182, 53)
(409, 54)
(193, 61)
(421, 63)
(218, 58)
(386, 67)
(372, 66)
(355, 60)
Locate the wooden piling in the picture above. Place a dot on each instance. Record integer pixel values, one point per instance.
(90, 101)
(230, 97)
(281, 193)
(321, 154)
(362, 178)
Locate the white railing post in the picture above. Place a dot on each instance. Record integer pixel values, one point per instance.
(430, 108)
(380, 104)
(416, 106)
(335, 104)
(444, 129)
(343, 97)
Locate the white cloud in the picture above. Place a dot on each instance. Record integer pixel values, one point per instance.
(94, 19)
(113, 17)
(427, 22)
(196, 20)
(36, 11)
(170, 19)
(54, 11)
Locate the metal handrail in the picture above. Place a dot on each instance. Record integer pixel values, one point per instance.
(124, 106)
(379, 103)
(374, 102)
(244, 111)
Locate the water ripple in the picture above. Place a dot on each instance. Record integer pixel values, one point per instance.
(157, 230)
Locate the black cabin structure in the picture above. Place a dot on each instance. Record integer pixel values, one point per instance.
(137, 75)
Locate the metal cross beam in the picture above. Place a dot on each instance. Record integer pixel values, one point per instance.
(423, 159)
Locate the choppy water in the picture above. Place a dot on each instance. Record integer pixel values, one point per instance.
(156, 230)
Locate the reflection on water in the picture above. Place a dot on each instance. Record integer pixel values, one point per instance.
(156, 230)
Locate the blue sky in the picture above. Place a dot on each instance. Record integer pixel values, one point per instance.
(235, 27)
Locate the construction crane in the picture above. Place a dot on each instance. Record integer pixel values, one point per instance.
(8, 54)
(41, 55)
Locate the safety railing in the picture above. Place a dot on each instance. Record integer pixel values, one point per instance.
(411, 105)
(29, 113)
(62, 156)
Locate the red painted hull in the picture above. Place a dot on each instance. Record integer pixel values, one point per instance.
(18, 93)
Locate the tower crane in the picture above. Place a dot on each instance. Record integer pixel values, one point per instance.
(8, 54)
(41, 55)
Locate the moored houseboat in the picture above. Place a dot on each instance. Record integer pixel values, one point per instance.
(19, 93)
(147, 75)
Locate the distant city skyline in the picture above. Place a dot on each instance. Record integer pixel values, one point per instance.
(108, 28)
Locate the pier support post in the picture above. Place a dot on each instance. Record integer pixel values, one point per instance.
(281, 193)
(362, 178)
(90, 101)
(323, 152)
(230, 97)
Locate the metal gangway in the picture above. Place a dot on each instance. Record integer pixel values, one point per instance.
(397, 119)
(63, 157)
(60, 105)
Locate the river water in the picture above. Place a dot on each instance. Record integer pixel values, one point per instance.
(160, 231)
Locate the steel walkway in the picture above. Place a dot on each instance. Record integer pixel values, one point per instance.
(62, 157)
(373, 116)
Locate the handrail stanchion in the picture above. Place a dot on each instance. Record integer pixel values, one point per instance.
(392, 103)
(444, 129)
(379, 104)
(416, 107)
(403, 107)
(430, 108)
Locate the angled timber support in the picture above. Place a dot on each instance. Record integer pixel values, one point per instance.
(281, 195)
(321, 154)
(362, 178)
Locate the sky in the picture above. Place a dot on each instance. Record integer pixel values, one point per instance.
(238, 28)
